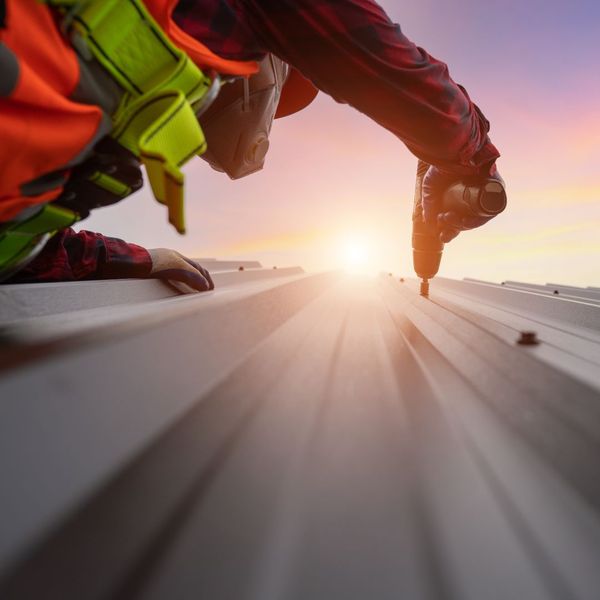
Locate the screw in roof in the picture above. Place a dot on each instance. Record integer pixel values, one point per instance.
(528, 338)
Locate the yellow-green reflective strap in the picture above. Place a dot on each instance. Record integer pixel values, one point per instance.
(19, 240)
(51, 217)
(110, 184)
(166, 134)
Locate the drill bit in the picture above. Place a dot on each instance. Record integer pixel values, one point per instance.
(425, 288)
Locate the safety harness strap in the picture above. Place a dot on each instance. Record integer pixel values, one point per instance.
(166, 133)
(21, 241)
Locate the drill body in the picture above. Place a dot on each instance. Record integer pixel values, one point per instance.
(481, 198)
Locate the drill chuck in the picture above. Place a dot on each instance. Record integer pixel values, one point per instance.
(427, 251)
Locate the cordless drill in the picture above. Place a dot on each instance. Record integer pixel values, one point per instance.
(484, 198)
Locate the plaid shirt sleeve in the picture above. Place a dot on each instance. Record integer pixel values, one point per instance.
(352, 51)
(71, 256)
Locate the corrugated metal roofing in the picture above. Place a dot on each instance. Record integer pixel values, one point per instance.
(299, 436)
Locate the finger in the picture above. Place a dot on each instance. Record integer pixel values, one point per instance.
(472, 222)
(430, 204)
(457, 221)
(202, 270)
(130, 175)
(433, 186)
(190, 277)
(430, 209)
(199, 268)
(182, 288)
(450, 220)
(448, 234)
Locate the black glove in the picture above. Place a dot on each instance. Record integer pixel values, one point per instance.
(450, 224)
(82, 195)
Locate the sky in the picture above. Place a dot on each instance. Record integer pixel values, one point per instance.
(533, 68)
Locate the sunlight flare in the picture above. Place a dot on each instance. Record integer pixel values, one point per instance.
(355, 254)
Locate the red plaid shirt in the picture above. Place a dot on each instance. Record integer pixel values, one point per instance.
(71, 256)
(350, 50)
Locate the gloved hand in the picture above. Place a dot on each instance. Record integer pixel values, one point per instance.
(174, 267)
(82, 194)
(450, 224)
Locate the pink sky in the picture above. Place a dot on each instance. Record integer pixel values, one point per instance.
(540, 88)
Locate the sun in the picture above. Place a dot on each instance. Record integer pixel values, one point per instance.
(355, 253)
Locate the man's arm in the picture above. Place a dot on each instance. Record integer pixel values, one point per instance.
(71, 256)
(351, 50)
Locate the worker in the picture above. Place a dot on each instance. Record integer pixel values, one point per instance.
(92, 91)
